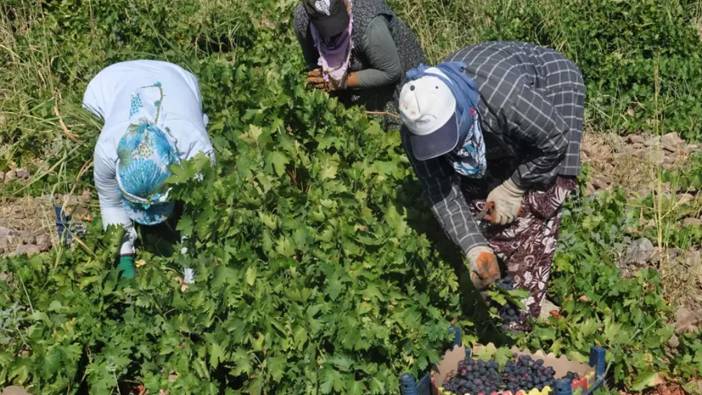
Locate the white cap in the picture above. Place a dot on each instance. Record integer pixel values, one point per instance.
(427, 109)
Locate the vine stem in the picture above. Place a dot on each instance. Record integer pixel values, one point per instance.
(383, 113)
(29, 300)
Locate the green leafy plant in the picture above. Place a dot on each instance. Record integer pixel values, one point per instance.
(312, 274)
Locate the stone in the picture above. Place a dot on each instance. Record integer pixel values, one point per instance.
(672, 142)
(692, 222)
(634, 139)
(6, 232)
(5, 239)
(674, 252)
(548, 309)
(686, 320)
(10, 176)
(685, 198)
(600, 183)
(14, 390)
(6, 277)
(27, 249)
(43, 242)
(22, 173)
(673, 342)
(639, 252)
(669, 161)
(651, 141)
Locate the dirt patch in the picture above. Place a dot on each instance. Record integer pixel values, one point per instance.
(666, 389)
(19, 174)
(632, 161)
(28, 224)
(681, 276)
(682, 281)
(670, 388)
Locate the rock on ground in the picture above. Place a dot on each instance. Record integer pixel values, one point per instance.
(687, 320)
(10, 176)
(27, 249)
(14, 390)
(22, 174)
(639, 252)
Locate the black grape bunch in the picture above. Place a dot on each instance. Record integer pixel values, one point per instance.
(509, 313)
(486, 377)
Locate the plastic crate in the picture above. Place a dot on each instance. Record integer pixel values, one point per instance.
(409, 385)
(63, 225)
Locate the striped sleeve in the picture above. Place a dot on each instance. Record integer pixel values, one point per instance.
(448, 204)
(533, 120)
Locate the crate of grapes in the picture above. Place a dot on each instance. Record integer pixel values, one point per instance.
(486, 370)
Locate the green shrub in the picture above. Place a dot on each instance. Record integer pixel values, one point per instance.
(617, 44)
(308, 277)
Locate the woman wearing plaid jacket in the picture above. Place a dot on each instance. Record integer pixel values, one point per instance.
(493, 134)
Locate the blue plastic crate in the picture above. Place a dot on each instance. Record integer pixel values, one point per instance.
(63, 225)
(409, 385)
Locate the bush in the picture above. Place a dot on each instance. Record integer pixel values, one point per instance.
(308, 277)
(620, 47)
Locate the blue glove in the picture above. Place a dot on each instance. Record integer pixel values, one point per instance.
(126, 268)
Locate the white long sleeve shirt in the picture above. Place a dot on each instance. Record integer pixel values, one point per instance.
(108, 96)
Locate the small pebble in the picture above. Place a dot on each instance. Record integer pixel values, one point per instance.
(27, 249)
(22, 173)
(10, 176)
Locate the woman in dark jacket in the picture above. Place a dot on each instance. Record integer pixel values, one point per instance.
(356, 49)
(493, 134)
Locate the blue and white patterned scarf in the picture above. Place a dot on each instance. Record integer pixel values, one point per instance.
(469, 159)
(144, 153)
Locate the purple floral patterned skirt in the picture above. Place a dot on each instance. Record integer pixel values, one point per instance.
(527, 246)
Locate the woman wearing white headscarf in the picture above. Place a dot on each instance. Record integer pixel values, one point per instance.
(152, 113)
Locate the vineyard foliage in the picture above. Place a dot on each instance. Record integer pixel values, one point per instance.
(311, 274)
(620, 46)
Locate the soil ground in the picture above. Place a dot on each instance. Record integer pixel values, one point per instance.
(28, 224)
(632, 162)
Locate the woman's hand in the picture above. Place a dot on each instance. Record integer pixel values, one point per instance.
(483, 267)
(507, 199)
(315, 79)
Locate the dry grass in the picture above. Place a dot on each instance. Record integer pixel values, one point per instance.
(444, 26)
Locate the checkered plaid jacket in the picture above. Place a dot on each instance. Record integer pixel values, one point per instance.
(531, 113)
